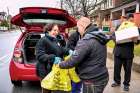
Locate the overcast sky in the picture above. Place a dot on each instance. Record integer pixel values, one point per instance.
(14, 5)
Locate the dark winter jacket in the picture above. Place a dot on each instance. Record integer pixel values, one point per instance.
(47, 49)
(90, 56)
(124, 50)
(72, 40)
(61, 40)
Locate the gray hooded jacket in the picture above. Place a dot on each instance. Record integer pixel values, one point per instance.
(90, 55)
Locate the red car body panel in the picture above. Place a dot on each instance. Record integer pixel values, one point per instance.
(22, 72)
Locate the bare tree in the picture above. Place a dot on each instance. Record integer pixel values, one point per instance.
(80, 7)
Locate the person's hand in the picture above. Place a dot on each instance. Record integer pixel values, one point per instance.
(135, 39)
(57, 60)
(70, 52)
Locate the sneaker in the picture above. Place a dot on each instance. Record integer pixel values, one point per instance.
(126, 88)
(115, 84)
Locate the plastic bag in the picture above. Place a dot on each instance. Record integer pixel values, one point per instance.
(60, 79)
(57, 79)
(73, 75)
(126, 25)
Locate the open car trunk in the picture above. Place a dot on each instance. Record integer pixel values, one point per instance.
(34, 19)
(40, 16)
(29, 47)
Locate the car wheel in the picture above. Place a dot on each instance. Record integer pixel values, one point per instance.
(16, 83)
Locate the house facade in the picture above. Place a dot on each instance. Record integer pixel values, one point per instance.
(110, 12)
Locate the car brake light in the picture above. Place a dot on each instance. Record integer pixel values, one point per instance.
(18, 55)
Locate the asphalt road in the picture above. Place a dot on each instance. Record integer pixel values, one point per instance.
(7, 43)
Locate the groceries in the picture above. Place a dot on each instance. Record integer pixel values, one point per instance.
(126, 32)
(60, 79)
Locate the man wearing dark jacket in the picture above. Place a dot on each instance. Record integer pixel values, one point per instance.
(89, 57)
(123, 56)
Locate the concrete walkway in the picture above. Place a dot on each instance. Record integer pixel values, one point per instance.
(134, 84)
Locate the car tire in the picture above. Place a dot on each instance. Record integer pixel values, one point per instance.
(16, 83)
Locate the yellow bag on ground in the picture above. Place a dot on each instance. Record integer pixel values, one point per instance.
(57, 79)
(73, 75)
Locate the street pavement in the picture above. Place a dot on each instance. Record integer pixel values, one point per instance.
(7, 43)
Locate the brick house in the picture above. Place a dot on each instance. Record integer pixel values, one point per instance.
(110, 12)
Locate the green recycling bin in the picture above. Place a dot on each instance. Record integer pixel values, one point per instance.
(106, 29)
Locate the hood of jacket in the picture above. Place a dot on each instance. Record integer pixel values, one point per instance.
(93, 32)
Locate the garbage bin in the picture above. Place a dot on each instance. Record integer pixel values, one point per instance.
(106, 29)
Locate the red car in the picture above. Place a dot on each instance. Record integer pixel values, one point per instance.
(22, 65)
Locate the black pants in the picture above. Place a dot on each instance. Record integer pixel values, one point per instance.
(92, 87)
(127, 65)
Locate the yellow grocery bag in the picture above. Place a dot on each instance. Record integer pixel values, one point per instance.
(60, 79)
(73, 75)
(127, 32)
(125, 25)
(57, 79)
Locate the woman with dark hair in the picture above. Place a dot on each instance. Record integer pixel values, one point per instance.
(48, 49)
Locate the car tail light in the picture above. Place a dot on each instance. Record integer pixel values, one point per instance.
(18, 55)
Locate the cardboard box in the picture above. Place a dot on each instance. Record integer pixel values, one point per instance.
(126, 34)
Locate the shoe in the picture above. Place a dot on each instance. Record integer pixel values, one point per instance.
(126, 88)
(115, 84)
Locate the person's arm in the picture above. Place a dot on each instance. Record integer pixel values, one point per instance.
(41, 52)
(81, 51)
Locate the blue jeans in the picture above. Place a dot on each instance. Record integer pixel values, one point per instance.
(76, 87)
(91, 87)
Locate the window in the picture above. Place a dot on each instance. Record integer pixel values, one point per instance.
(111, 2)
(44, 19)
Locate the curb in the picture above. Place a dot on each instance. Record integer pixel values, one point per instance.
(136, 60)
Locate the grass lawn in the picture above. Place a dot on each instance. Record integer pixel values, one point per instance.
(136, 50)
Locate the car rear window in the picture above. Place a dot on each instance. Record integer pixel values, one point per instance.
(43, 19)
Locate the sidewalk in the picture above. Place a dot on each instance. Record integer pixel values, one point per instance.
(136, 60)
(134, 84)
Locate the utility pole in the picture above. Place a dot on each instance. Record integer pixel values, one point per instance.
(61, 4)
(8, 18)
